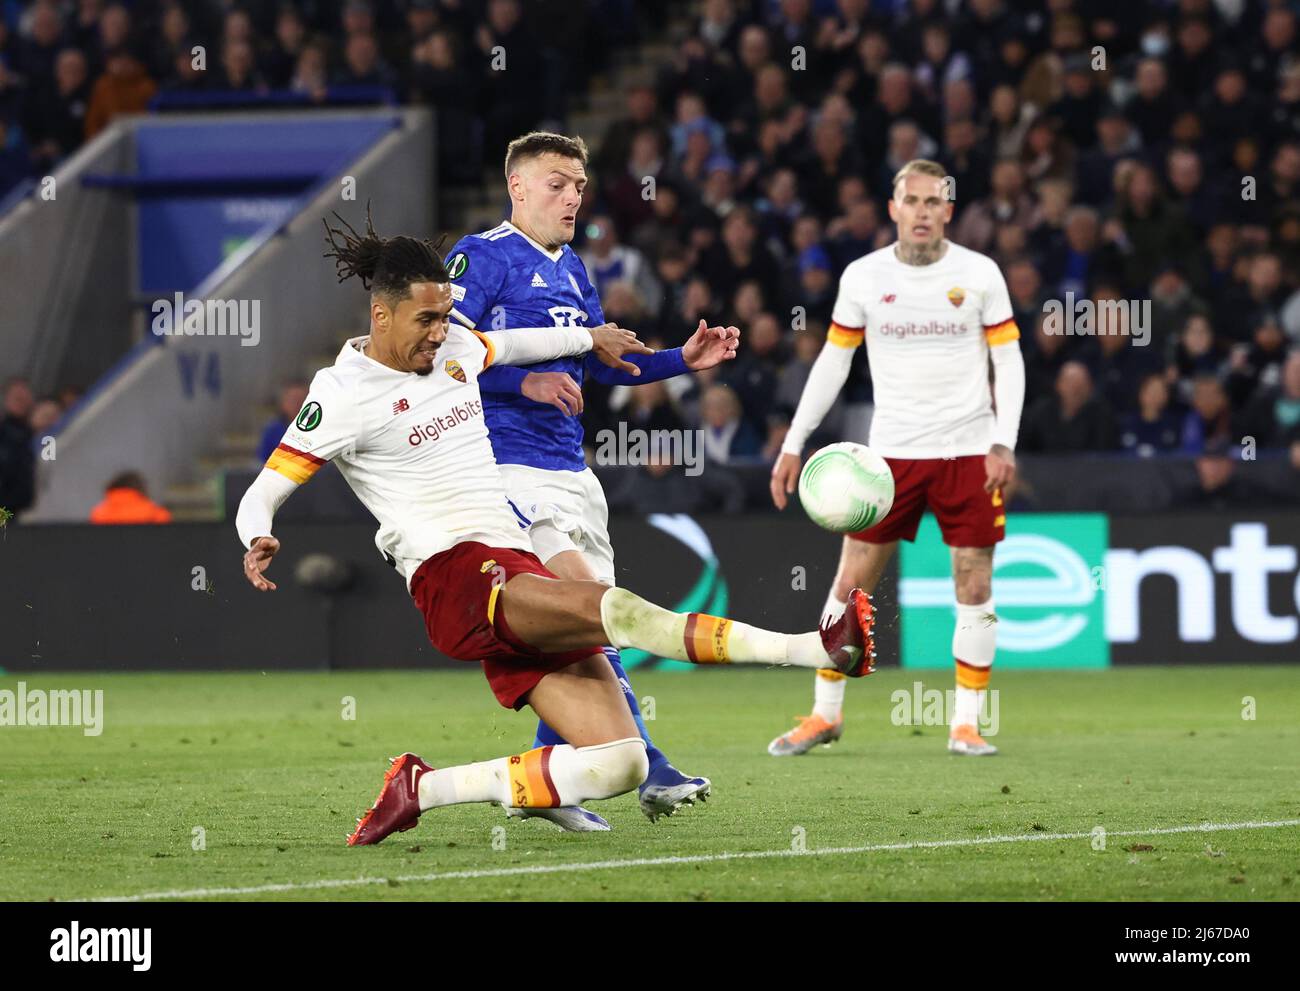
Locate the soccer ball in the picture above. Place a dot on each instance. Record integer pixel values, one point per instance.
(846, 487)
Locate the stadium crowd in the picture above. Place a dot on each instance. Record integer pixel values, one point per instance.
(1141, 156)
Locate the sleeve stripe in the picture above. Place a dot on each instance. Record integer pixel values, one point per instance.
(1002, 333)
(297, 466)
(845, 337)
(491, 351)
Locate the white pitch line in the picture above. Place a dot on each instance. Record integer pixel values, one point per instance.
(706, 858)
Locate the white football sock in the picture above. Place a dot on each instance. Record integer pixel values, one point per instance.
(974, 643)
(833, 609)
(828, 694)
(966, 707)
(546, 777)
(631, 621)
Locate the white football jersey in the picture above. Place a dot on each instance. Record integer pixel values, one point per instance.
(928, 330)
(414, 448)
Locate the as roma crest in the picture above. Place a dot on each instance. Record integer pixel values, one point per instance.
(956, 295)
(454, 370)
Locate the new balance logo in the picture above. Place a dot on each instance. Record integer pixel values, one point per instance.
(401, 406)
(889, 297)
(539, 282)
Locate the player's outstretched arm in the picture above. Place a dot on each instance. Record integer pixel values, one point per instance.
(529, 345)
(253, 521)
(829, 373)
(707, 347)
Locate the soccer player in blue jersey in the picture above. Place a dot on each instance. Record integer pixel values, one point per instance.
(521, 274)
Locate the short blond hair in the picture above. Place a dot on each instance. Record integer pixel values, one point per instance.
(918, 166)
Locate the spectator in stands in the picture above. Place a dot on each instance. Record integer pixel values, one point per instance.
(1152, 230)
(641, 115)
(1153, 107)
(1024, 285)
(1197, 354)
(1072, 420)
(1209, 421)
(817, 288)
(753, 375)
(1124, 355)
(1116, 140)
(36, 53)
(1080, 103)
(1007, 203)
(1273, 416)
(726, 434)
(740, 256)
(1256, 367)
(1172, 304)
(292, 396)
(290, 40)
(1201, 202)
(310, 76)
(45, 413)
(115, 34)
(239, 69)
(17, 461)
(124, 88)
(608, 260)
(853, 234)
(1260, 298)
(55, 117)
(1152, 428)
(126, 500)
(363, 65)
(1230, 112)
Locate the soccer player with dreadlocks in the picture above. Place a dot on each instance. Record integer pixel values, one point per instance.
(400, 413)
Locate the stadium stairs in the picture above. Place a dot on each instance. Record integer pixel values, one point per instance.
(463, 210)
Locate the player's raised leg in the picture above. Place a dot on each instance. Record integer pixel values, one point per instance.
(974, 642)
(558, 616)
(861, 565)
(665, 788)
(531, 628)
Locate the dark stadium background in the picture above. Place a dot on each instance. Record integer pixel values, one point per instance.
(1134, 151)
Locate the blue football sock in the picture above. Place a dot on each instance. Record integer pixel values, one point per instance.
(653, 753)
(547, 737)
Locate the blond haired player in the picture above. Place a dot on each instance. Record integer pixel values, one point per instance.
(934, 315)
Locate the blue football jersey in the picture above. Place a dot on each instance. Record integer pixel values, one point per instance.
(502, 279)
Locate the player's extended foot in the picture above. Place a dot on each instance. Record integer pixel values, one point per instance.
(570, 818)
(849, 641)
(965, 739)
(811, 731)
(668, 789)
(398, 806)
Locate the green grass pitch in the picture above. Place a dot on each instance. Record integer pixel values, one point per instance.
(273, 776)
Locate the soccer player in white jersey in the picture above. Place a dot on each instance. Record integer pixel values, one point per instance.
(934, 316)
(400, 413)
